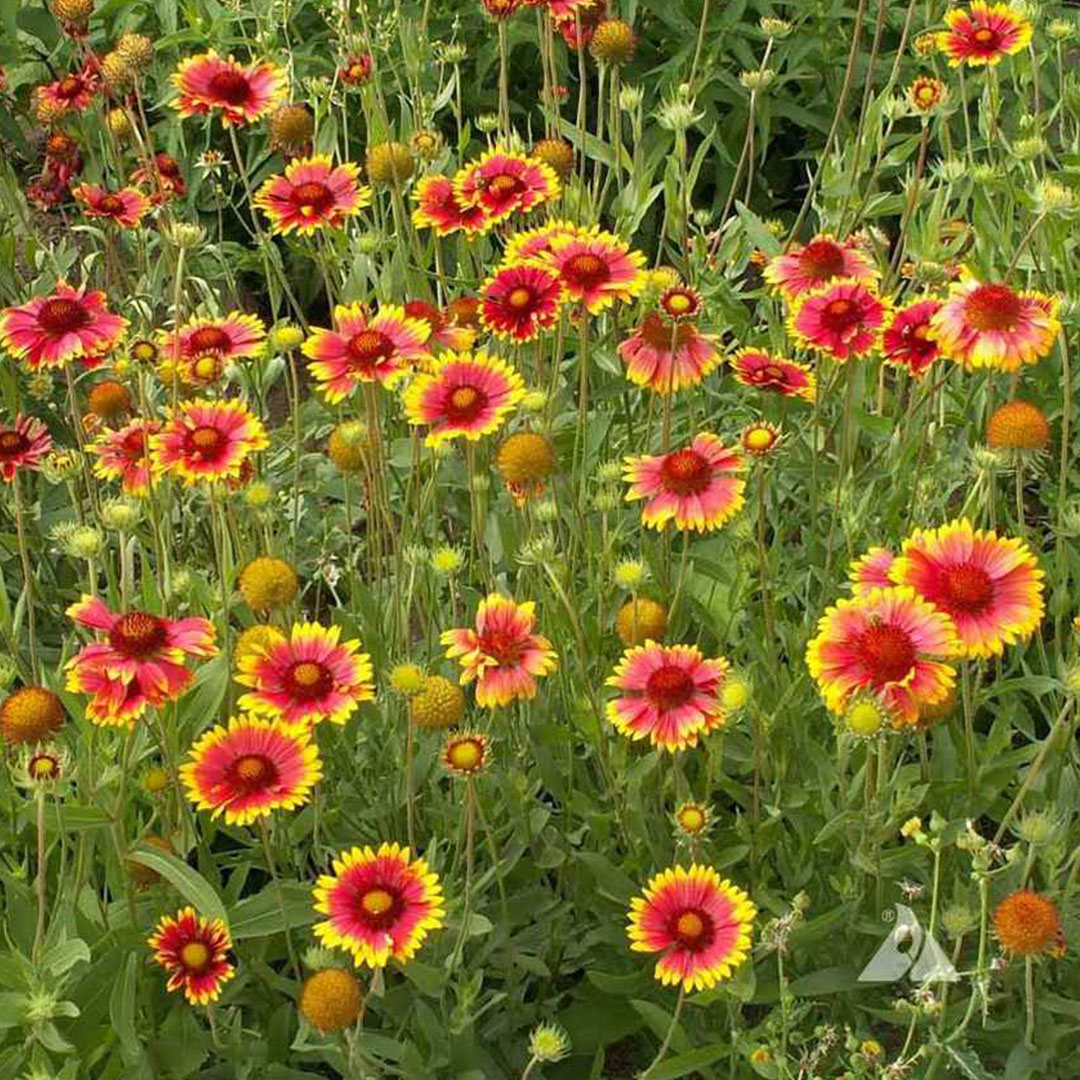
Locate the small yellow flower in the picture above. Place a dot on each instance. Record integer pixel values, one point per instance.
(438, 705)
(911, 829)
(407, 679)
(267, 583)
(330, 1000)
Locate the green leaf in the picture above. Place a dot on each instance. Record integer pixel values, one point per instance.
(691, 1061)
(122, 1008)
(260, 915)
(190, 884)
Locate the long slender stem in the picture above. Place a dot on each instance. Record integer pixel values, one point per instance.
(279, 889)
(662, 1052)
(39, 883)
(28, 579)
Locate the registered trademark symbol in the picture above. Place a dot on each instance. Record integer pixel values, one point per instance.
(888, 915)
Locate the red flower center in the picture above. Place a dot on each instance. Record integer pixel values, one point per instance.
(231, 86)
(692, 928)
(138, 635)
(505, 648)
(822, 260)
(986, 37)
(314, 196)
(209, 339)
(504, 187)
(195, 956)
(378, 908)
(111, 204)
(771, 373)
(253, 771)
(466, 404)
(13, 443)
(993, 307)
(367, 348)
(206, 443)
(62, 316)
(309, 680)
(888, 652)
(586, 271)
(686, 472)
(969, 588)
(664, 336)
(840, 316)
(69, 87)
(669, 687)
(520, 298)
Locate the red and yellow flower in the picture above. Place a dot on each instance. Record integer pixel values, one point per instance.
(842, 320)
(445, 331)
(71, 324)
(309, 677)
(125, 207)
(906, 341)
(670, 694)
(23, 445)
(123, 455)
(232, 337)
(871, 571)
(365, 349)
(994, 326)
(668, 356)
(698, 487)
(760, 369)
(821, 262)
(73, 93)
(983, 34)
(139, 663)
(701, 925)
(502, 183)
(532, 244)
(597, 269)
(990, 586)
(501, 655)
(379, 905)
(521, 300)
(466, 754)
(194, 951)
(207, 441)
(312, 194)
(886, 642)
(438, 207)
(240, 93)
(250, 768)
(464, 394)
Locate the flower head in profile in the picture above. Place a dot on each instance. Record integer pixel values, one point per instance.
(871, 571)
(207, 441)
(239, 93)
(530, 244)
(466, 395)
(194, 951)
(445, 330)
(983, 34)
(125, 207)
(71, 324)
(365, 348)
(699, 923)
(668, 356)
(669, 694)
(989, 585)
(502, 654)
(503, 183)
(906, 342)
(1028, 924)
(250, 768)
(379, 905)
(123, 455)
(312, 194)
(988, 325)
(521, 301)
(597, 269)
(306, 678)
(23, 445)
(886, 642)
(698, 487)
(821, 262)
(841, 320)
(438, 207)
(762, 370)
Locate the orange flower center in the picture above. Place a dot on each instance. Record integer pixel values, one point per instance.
(111, 204)
(312, 197)
(309, 680)
(195, 956)
(231, 86)
(686, 472)
(60, 145)
(888, 652)
(520, 298)
(206, 442)
(772, 373)
(138, 634)
(251, 769)
(969, 588)
(368, 347)
(692, 928)
(504, 186)
(377, 902)
(669, 687)
(465, 404)
(822, 260)
(209, 339)
(840, 315)
(586, 271)
(993, 307)
(466, 754)
(307, 674)
(69, 87)
(62, 316)
(12, 443)
(505, 648)
(985, 36)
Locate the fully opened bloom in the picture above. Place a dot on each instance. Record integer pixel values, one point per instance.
(309, 677)
(362, 348)
(71, 324)
(73, 93)
(597, 269)
(990, 586)
(700, 923)
(194, 951)
(250, 768)
(503, 183)
(139, 662)
(668, 356)
(207, 441)
(887, 642)
(23, 445)
(379, 905)
(502, 654)
(464, 394)
(669, 694)
(231, 337)
(521, 301)
(123, 455)
(760, 369)
(842, 320)
(906, 341)
(438, 207)
(994, 326)
(240, 93)
(125, 207)
(697, 487)
(312, 194)
(821, 262)
(983, 34)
